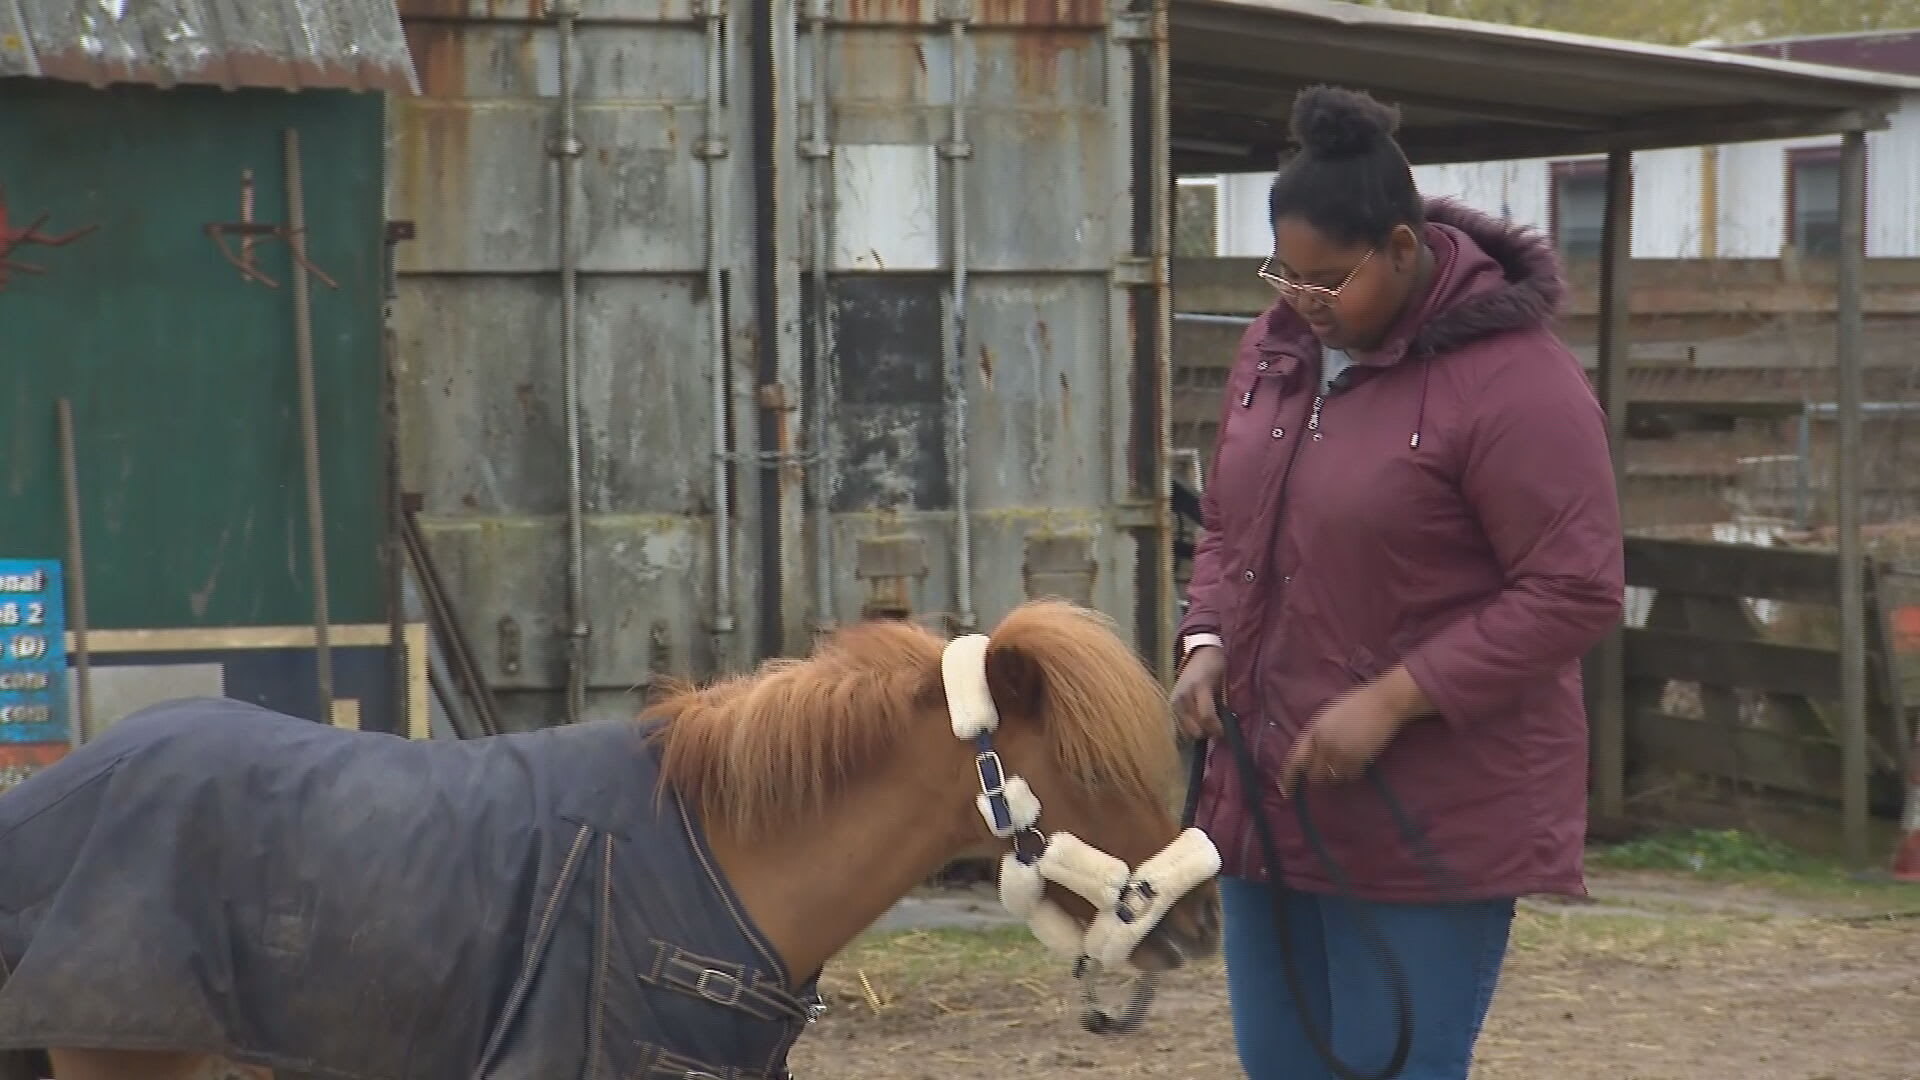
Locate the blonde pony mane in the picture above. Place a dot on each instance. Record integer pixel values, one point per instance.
(758, 750)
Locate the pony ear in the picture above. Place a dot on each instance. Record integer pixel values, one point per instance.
(1015, 681)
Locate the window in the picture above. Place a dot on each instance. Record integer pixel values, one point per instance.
(1196, 227)
(1813, 201)
(1577, 207)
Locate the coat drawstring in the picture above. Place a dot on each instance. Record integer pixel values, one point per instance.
(1420, 412)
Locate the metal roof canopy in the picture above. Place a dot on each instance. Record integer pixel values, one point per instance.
(1471, 91)
(284, 44)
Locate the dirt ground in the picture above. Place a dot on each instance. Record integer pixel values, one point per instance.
(1660, 978)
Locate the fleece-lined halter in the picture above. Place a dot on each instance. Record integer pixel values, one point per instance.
(1128, 903)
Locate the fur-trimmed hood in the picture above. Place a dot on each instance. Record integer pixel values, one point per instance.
(1490, 277)
(1529, 294)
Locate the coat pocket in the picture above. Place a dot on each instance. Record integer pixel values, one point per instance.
(1362, 665)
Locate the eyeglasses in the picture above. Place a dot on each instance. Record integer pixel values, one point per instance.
(1318, 295)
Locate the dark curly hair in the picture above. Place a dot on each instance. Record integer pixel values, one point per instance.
(1349, 178)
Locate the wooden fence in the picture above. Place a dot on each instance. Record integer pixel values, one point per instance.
(1713, 690)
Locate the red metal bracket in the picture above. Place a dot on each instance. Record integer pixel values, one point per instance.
(220, 230)
(11, 239)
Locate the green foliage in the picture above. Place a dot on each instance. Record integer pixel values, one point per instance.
(1708, 850)
(1681, 22)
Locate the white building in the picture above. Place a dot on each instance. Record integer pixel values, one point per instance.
(1746, 201)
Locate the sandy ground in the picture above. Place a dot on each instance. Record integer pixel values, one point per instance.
(1663, 978)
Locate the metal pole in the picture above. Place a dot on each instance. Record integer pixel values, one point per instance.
(1161, 133)
(567, 150)
(816, 149)
(1609, 660)
(397, 690)
(958, 14)
(713, 153)
(76, 577)
(309, 424)
(1803, 469)
(1853, 646)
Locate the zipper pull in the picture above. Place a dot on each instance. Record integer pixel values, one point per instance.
(1313, 418)
(1246, 400)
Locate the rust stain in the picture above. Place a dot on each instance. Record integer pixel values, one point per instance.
(529, 406)
(1043, 12)
(1066, 402)
(887, 11)
(1036, 60)
(986, 366)
(433, 9)
(439, 58)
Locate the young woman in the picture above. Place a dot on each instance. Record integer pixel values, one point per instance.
(1412, 537)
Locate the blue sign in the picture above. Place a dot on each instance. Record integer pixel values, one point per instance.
(33, 653)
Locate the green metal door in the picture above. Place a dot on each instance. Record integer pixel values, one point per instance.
(180, 371)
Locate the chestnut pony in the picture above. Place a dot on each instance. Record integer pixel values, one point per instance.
(829, 787)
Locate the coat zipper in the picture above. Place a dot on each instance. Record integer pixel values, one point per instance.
(1259, 650)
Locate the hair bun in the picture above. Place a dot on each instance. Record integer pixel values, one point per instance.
(1331, 122)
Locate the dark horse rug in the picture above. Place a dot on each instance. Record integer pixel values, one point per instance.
(215, 877)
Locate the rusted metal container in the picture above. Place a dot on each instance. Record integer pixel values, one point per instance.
(823, 281)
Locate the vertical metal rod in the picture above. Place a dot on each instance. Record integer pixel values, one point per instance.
(1609, 722)
(713, 151)
(956, 150)
(399, 699)
(1853, 646)
(567, 150)
(76, 577)
(1803, 468)
(816, 150)
(309, 424)
(398, 696)
(1161, 491)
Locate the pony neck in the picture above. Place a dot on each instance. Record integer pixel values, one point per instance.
(813, 887)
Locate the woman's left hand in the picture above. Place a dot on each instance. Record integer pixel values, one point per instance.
(1350, 733)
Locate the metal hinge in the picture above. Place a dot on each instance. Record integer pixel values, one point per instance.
(1136, 271)
(811, 10)
(1136, 514)
(1133, 26)
(711, 149)
(956, 11)
(709, 9)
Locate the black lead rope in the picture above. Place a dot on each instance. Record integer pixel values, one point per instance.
(1389, 962)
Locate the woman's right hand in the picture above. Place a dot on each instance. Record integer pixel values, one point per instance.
(1194, 692)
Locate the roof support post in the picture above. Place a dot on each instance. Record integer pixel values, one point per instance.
(1853, 653)
(1607, 665)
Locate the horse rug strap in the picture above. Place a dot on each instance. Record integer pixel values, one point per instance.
(509, 908)
(1127, 903)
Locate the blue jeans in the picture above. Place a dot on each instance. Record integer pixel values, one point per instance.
(1450, 953)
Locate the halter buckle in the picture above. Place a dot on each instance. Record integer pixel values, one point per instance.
(993, 777)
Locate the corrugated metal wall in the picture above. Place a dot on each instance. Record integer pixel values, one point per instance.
(844, 404)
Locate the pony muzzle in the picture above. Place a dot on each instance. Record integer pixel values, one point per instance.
(1128, 904)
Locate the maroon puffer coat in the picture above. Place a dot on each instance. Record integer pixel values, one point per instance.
(1453, 509)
